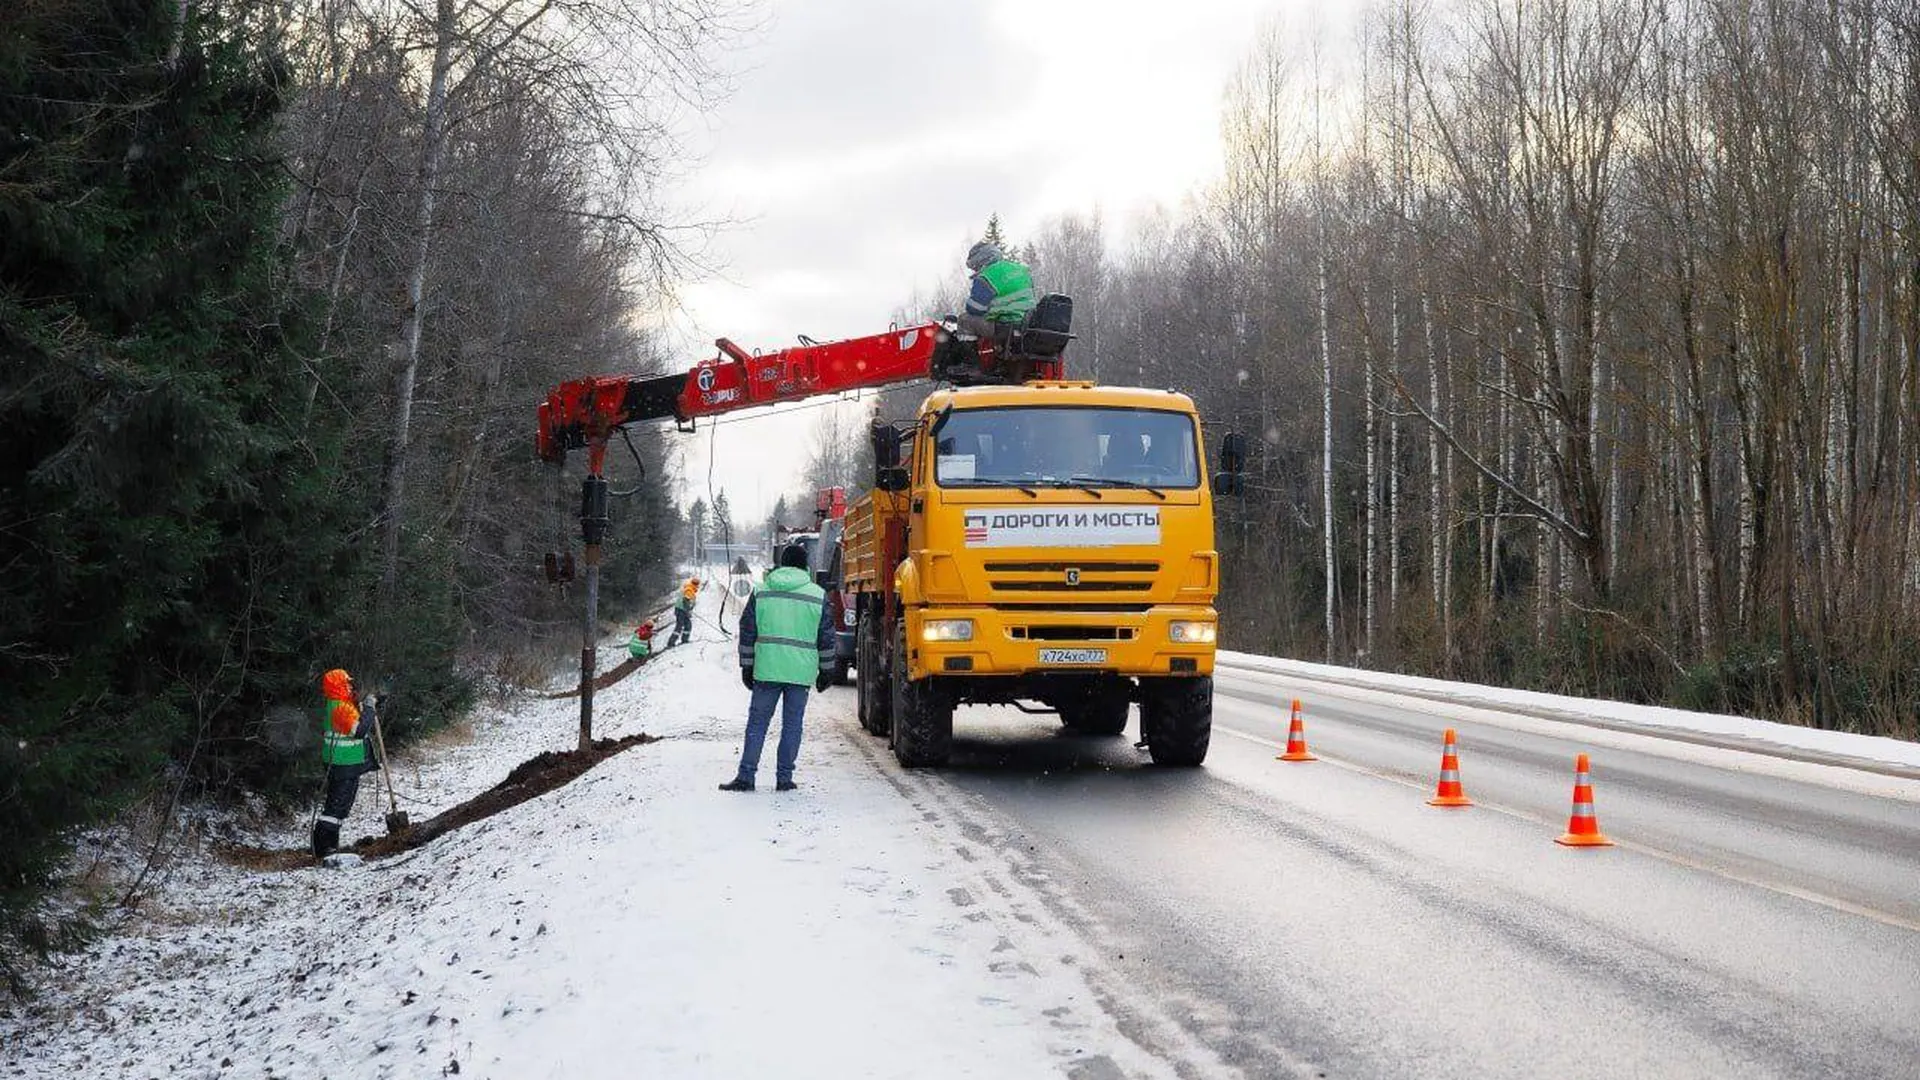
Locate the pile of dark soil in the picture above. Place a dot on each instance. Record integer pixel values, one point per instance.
(529, 779)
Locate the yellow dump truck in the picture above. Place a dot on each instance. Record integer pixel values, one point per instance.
(1048, 546)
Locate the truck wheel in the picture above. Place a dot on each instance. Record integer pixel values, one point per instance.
(1100, 710)
(840, 669)
(1176, 718)
(873, 694)
(922, 716)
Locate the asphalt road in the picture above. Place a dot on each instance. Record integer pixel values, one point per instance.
(1759, 918)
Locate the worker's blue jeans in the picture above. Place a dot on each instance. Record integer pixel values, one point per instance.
(792, 700)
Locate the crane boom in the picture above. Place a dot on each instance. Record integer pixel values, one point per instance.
(582, 413)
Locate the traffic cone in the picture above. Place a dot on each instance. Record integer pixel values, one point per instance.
(1583, 828)
(1449, 793)
(1296, 738)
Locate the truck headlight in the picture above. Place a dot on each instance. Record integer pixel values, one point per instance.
(1191, 633)
(946, 630)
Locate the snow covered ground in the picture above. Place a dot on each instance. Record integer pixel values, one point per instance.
(1895, 756)
(636, 923)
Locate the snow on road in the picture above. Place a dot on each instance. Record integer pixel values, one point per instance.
(636, 923)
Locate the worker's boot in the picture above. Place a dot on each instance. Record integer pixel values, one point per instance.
(737, 784)
(326, 838)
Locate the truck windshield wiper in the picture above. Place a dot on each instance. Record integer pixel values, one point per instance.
(1076, 482)
(1132, 484)
(987, 481)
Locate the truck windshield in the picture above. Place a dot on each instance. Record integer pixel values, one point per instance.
(1084, 446)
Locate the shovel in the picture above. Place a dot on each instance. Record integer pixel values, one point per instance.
(396, 817)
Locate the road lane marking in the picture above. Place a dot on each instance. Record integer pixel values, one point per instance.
(1835, 903)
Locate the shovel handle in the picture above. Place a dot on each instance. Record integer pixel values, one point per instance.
(386, 766)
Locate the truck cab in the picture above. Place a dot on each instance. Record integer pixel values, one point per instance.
(1048, 545)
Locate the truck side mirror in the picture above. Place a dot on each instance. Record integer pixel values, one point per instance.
(1233, 452)
(887, 472)
(1233, 459)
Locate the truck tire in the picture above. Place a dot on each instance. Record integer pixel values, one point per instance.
(1176, 719)
(840, 669)
(872, 694)
(922, 716)
(1100, 710)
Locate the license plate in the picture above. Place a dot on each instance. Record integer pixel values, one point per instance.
(1073, 656)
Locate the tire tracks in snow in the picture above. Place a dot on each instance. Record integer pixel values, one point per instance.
(1042, 927)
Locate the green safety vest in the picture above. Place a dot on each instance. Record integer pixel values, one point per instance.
(335, 748)
(786, 620)
(1012, 291)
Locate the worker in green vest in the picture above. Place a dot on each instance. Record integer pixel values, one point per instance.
(786, 643)
(1000, 295)
(683, 613)
(344, 750)
(640, 645)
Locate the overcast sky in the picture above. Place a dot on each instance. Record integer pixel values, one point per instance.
(868, 140)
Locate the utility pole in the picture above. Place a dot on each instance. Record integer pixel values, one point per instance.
(593, 532)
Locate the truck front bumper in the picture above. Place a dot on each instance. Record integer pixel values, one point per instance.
(1032, 642)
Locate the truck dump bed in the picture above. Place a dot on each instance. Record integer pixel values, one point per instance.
(866, 566)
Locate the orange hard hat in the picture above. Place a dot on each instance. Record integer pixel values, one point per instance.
(337, 684)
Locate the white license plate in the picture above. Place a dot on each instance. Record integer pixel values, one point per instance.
(1073, 656)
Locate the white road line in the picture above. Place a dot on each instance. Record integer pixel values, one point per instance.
(1833, 902)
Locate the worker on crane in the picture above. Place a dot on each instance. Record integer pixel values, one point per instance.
(343, 747)
(786, 642)
(683, 613)
(1000, 294)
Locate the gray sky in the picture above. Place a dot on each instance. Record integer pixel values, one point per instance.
(868, 140)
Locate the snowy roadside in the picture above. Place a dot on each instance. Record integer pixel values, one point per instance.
(635, 923)
(1893, 757)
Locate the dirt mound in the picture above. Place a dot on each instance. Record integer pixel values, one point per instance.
(529, 779)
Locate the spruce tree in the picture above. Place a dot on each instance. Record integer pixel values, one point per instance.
(178, 553)
(993, 235)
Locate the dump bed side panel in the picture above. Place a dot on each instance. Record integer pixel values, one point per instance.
(868, 570)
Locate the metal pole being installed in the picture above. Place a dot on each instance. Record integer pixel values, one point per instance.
(593, 530)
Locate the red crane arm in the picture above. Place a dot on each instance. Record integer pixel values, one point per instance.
(582, 413)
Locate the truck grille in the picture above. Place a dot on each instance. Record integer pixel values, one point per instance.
(1051, 577)
(1084, 585)
(1071, 633)
(1063, 567)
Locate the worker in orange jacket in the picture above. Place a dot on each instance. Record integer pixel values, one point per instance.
(683, 613)
(347, 753)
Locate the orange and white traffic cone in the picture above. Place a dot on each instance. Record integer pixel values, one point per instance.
(1449, 793)
(1296, 738)
(1583, 828)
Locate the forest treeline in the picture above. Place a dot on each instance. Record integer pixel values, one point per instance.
(1582, 343)
(281, 282)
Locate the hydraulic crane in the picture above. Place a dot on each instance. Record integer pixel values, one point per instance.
(584, 413)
